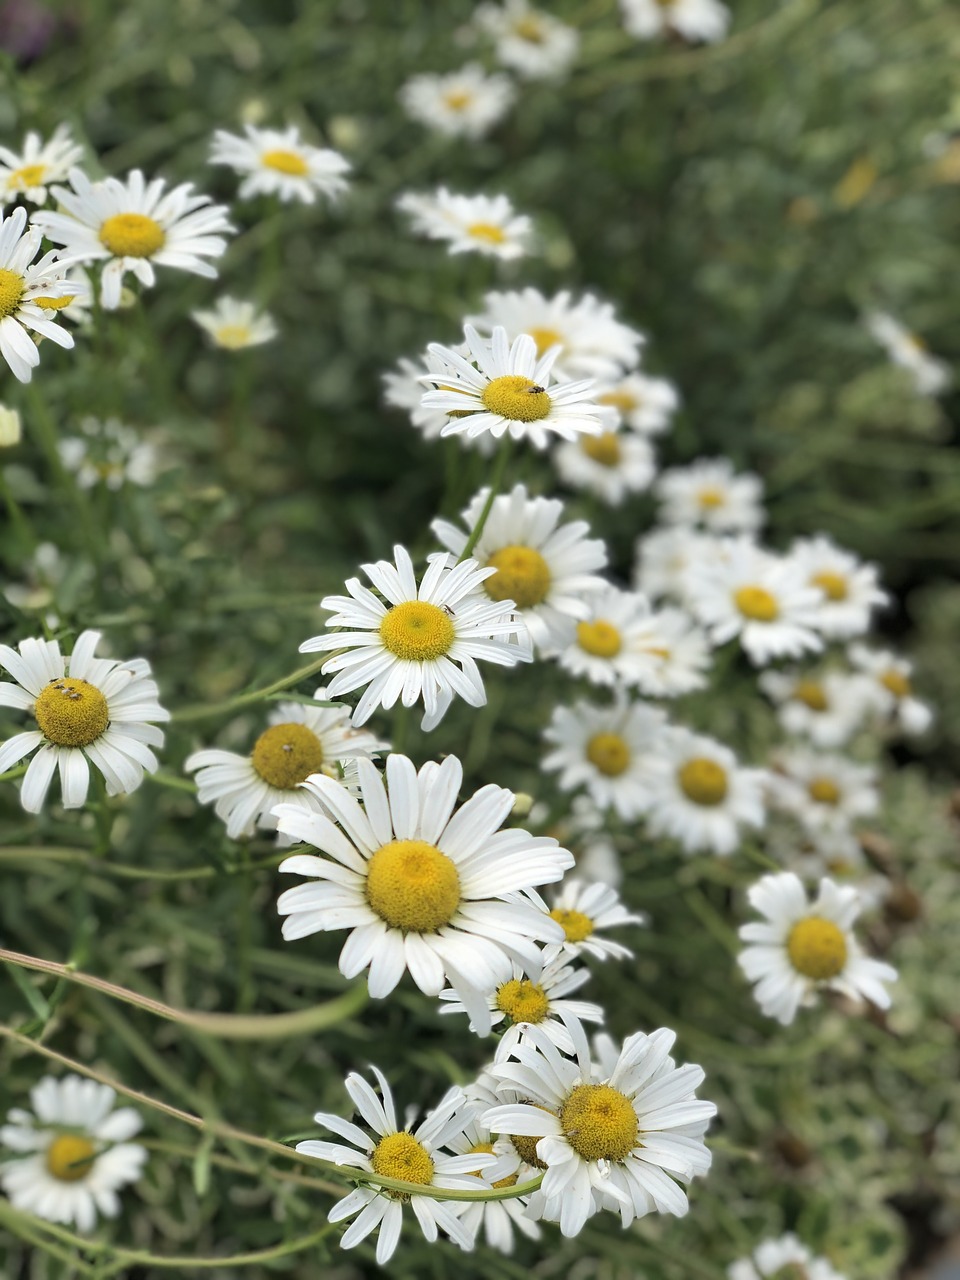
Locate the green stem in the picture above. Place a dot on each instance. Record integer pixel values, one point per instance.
(202, 712)
(54, 853)
(496, 484)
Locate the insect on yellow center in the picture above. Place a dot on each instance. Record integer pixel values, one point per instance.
(401, 1156)
(522, 1000)
(11, 291)
(897, 683)
(603, 449)
(71, 713)
(132, 235)
(545, 339)
(833, 585)
(70, 1157)
(516, 398)
(522, 576)
(413, 886)
(817, 948)
(285, 754)
(232, 336)
(288, 162)
(811, 694)
(577, 926)
(824, 791)
(625, 401)
(458, 99)
(488, 232)
(711, 498)
(608, 753)
(417, 631)
(30, 175)
(601, 639)
(599, 1122)
(757, 604)
(703, 781)
(486, 1148)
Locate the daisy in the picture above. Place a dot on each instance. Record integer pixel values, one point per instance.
(408, 1155)
(424, 642)
(542, 568)
(823, 792)
(692, 19)
(828, 709)
(582, 909)
(802, 948)
(676, 654)
(301, 740)
(700, 795)
(890, 688)
(419, 886)
(71, 1154)
(615, 1138)
(505, 388)
(132, 226)
(26, 287)
(612, 465)
(86, 708)
(644, 404)
(666, 556)
(25, 174)
(608, 644)
(278, 162)
(470, 224)
(850, 588)
(534, 44)
(905, 349)
(465, 103)
(403, 389)
(108, 453)
(233, 324)
(837, 854)
(593, 343)
(597, 858)
(710, 494)
(783, 1257)
(608, 750)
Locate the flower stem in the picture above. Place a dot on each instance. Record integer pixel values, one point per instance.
(496, 484)
(201, 712)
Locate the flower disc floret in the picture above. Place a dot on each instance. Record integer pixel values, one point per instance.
(600, 638)
(824, 791)
(897, 683)
(523, 1001)
(703, 781)
(401, 1156)
(522, 576)
(517, 398)
(69, 1157)
(417, 631)
(71, 712)
(757, 604)
(11, 291)
(603, 449)
(575, 924)
(132, 235)
(599, 1122)
(286, 162)
(609, 753)
(833, 585)
(545, 339)
(817, 948)
(490, 232)
(812, 694)
(412, 885)
(285, 754)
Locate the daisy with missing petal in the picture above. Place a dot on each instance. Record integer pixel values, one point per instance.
(827, 709)
(465, 103)
(300, 741)
(782, 1258)
(133, 225)
(542, 568)
(905, 349)
(849, 587)
(29, 294)
(604, 647)
(534, 44)
(612, 465)
(278, 162)
(108, 453)
(709, 493)
(583, 909)
(409, 1155)
(25, 174)
(890, 688)
(87, 709)
(825, 793)
(645, 404)
(627, 1138)
(421, 887)
(803, 947)
(705, 20)
(470, 224)
(70, 1153)
(233, 324)
(424, 642)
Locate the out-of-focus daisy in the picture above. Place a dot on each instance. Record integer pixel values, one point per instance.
(413, 642)
(545, 568)
(930, 376)
(25, 174)
(604, 646)
(785, 1256)
(535, 44)
(823, 792)
(612, 465)
(403, 389)
(132, 225)
(710, 494)
(25, 289)
(849, 587)
(300, 741)
(666, 556)
(890, 689)
(804, 947)
(583, 910)
(593, 342)
(465, 103)
(469, 224)
(234, 324)
(505, 388)
(607, 750)
(71, 1153)
(644, 404)
(421, 887)
(705, 20)
(278, 162)
(700, 795)
(108, 453)
(584, 830)
(828, 709)
(676, 654)
(837, 854)
(87, 709)
(43, 572)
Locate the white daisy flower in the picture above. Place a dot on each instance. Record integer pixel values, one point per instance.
(403, 389)
(542, 568)
(606, 1139)
(424, 642)
(802, 947)
(470, 224)
(278, 162)
(710, 494)
(607, 750)
(905, 349)
(505, 388)
(300, 741)
(604, 648)
(582, 910)
(890, 689)
(87, 709)
(837, 854)
(234, 324)
(676, 654)
(850, 588)
(465, 103)
(827, 709)
(762, 599)
(44, 571)
(592, 341)
(823, 792)
(29, 295)
(596, 855)
(409, 1155)
(25, 174)
(534, 44)
(666, 556)
(645, 404)
(785, 1256)
(133, 225)
(612, 465)
(419, 886)
(70, 1154)
(108, 453)
(700, 795)
(705, 20)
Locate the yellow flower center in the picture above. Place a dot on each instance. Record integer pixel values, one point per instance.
(601, 639)
(488, 232)
(11, 291)
(290, 162)
(599, 1122)
(604, 449)
(54, 304)
(285, 754)
(70, 1157)
(525, 1144)
(791, 1271)
(817, 948)
(401, 1156)
(413, 886)
(417, 632)
(609, 753)
(622, 400)
(757, 604)
(711, 497)
(458, 99)
(132, 235)
(30, 175)
(545, 339)
(824, 791)
(703, 781)
(71, 713)
(577, 926)
(487, 1149)
(516, 398)
(811, 694)
(522, 576)
(529, 29)
(897, 683)
(232, 336)
(522, 1000)
(833, 585)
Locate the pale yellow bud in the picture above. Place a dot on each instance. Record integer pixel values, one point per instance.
(9, 427)
(522, 804)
